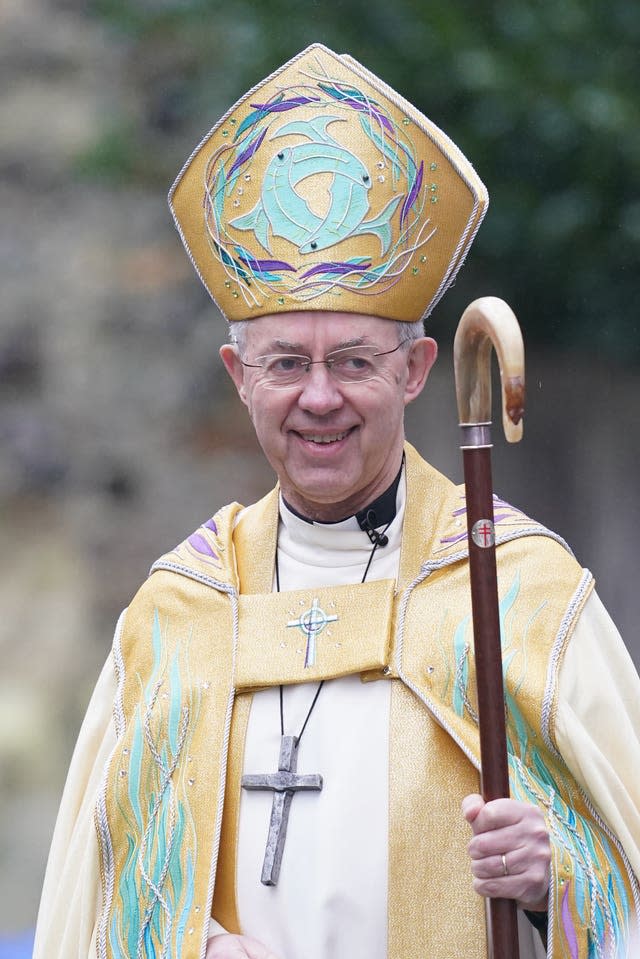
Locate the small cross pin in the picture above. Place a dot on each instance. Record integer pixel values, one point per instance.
(312, 622)
(284, 784)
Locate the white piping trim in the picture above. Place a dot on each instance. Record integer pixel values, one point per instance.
(223, 772)
(108, 864)
(575, 603)
(556, 652)
(635, 886)
(100, 812)
(457, 260)
(195, 575)
(118, 662)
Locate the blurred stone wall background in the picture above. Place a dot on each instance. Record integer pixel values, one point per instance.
(118, 431)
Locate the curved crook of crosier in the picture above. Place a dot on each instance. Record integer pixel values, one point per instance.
(489, 322)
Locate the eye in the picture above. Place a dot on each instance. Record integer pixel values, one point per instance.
(285, 367)
(353, 365)
(283, 364)
(358, 362)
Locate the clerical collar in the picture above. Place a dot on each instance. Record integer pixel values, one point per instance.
(380, 512)
(335, 552)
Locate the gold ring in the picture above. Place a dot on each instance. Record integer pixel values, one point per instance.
(505, 870)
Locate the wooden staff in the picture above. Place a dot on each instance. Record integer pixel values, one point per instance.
(485, 323)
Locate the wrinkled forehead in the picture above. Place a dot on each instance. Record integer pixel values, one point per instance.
(316, 330)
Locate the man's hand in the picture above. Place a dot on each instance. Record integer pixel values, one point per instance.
(227, 946)
(510, 851)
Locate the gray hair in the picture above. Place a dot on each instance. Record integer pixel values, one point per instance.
(407, 332)
(238, 333)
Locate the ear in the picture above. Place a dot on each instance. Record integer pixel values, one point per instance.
(231, 358)
(422, 355)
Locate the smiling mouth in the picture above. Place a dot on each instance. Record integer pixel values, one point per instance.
(324, 438)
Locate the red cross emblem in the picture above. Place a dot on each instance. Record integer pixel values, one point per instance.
(483, 533)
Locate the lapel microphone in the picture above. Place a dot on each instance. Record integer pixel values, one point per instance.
(367, 522)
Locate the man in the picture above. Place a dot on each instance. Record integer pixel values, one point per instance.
(294, 749)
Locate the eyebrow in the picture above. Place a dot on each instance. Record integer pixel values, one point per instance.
(297, 347)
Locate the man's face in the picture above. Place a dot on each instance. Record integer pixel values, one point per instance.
(335, 446)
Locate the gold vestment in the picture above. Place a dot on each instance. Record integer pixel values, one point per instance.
(205, 630)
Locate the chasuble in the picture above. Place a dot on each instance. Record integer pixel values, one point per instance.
(205, 633)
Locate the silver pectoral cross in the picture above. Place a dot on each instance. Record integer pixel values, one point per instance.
(284, 784)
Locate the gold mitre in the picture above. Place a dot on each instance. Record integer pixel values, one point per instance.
(323, 189)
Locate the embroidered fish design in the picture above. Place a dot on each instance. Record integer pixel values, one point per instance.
(283, 212)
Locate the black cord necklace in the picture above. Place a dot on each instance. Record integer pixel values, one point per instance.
(286, 782)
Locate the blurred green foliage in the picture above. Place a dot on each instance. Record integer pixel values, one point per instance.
(541, 94)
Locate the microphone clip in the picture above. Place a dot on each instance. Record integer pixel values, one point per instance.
(367, 523)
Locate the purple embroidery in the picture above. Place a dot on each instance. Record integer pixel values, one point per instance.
(272, 276)
(413, 193)
(358, 102)
(569, 928)
(201, 546)
(263, 265)
(498, 518)
(282, 105)
(337, 268)
(211, 524)
(453, 539)
(248, 153)
(367, 108)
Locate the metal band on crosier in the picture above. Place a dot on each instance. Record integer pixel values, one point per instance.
(476, 436)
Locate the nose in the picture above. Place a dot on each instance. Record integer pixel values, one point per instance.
(320, 392)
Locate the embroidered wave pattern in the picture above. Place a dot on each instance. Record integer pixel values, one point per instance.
(155, 889)
(282, 211)
(593, 911)
(593, 901)
(459, 685)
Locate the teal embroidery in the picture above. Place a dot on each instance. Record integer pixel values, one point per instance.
(461, 647)
(597, 888)
(285, 213)
(155, 891)
(396, 231)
